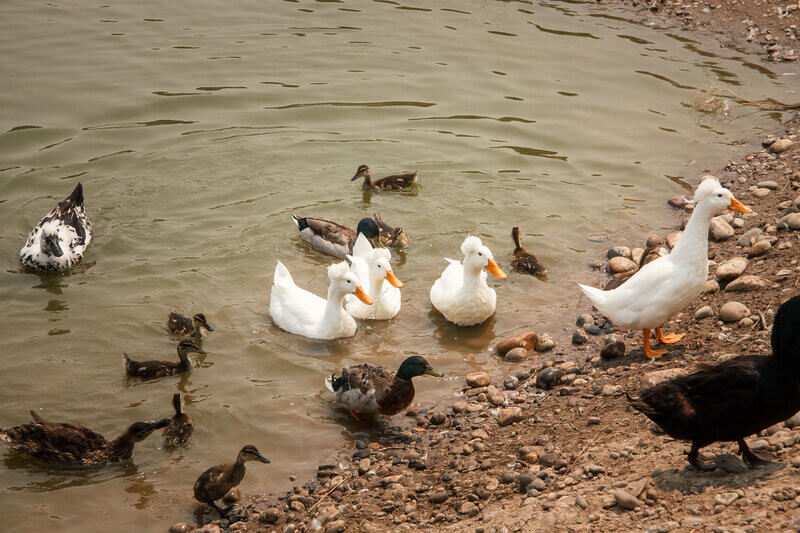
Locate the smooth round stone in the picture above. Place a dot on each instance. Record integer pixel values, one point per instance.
(654, 241)
(760, 248)
(619, 251)
(578, 338)
(181, 527)
(732, 268)
(545, 343)
(704, 312)
(516, 355)
(733, 312)
(548, 378)
(720, 230)
(618, 265)
(781, 145)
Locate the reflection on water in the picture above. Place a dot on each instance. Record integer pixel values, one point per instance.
(196, 131)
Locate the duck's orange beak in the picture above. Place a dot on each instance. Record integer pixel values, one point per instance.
(496, 270)
(363, 296)
(736, 205)
(391, 278)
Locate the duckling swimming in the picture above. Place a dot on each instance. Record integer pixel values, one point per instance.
(75, 444)
(393, 237)
(395, 182)
(215, 482)
(370, 389)
(734, 399)
(197, 326)
(158, 369)
(181, 426)
(332, 238)
(522, 260)
(60, 239)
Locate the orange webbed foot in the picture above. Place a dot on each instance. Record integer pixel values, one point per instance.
(670, 338)
(648, 351)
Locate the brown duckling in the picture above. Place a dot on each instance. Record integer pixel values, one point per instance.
(197, 326)
(395, 182)
(522, 260)
(392, 237)
(75, 444)
(215, 482)
(734, 399)
(158, 369)
(181, 426)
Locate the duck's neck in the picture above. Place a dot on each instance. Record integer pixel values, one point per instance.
(183, 355)
(472, 281)
(375, 286)
(121, 448)
(237, 472)
(693, 244)
(333, 307)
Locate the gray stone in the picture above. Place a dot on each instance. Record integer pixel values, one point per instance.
(744, 239)
(760, 248)
(653, 378)
(730, 463)
(591, 329)
(747, 283)
(720, 230)
(773, 185)
(733, 312)
(619, 251)
(578, 338)
(613, 346)
(511, 382)
(725, 498)
(549, 377)
(732, 268)
(703, 312)
(618, 265)
(711, 286)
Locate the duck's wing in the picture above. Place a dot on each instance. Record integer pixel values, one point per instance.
(178, 323)
(397, 181)
(330, 231)
(359, 267)
(292, 308)
(451, 279)
(52, 441)
(359, 386)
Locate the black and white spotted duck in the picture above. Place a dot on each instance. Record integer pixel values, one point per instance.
(522, 260)
(395, 182)
(75, 444)
(197, 326)
(734, 399)
(215, 482)
(158, 369)
(181, 425)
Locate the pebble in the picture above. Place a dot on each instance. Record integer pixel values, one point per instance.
(732, 268)
(761, 193)
(725, 498)
(768, 185)
(548, 459)
(619, 251)
(209, 528)
(781, 145)
(578, 338)
(591, 329)
(618, 265)
(549, 377)
(439, 496)
(796, 461)
(790, 221)
(747, 283)
(653, 378)
(730, 463)
(584, 318)
(523, 481)
(626, 500)
(704, 312)
(654, 241)
(744, 239)
(760, 248)
(733, 312)
(673, 238)
(526, 340)
(181, 527)
(794, 421)
(516, 355)
(613, 347)
(511, 382)
(496, 396)
(711, 286)
(679, 201)
(720, 230)
(337, 526)
(467, 508)
(509, 415)
(545, 342)
(478, 379)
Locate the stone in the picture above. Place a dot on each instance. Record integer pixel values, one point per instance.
(618, 265)
(744, 239)
(209, 528)
(773, 185)
(181, 527)
(478, 379)
(511, 382)
(515, 355)
(733, 312)
(613, 347)
(730, 463)
(790, 221)
(711, 286)
(732, 268)
(496, 396)
(654, 241)
(704, 312)
(611, 390)
(761, 193)
(578, 338)
(523, 481)
(760, 248)
(549, 377)
(679, 201)
(781, 145)
(673, 238)
(725, 498)
(509, 415)
(439, 496)
(619, 251)
(467, 508)
(591, 329)
(545, 342)
(584, 318)
(794, 421)
(337, 526)
(653, 378)
(626, 500)
(720, 230)
(526, 340)
(548, 459)
(747, 283)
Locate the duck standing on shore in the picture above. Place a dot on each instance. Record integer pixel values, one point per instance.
(196, 327)
(395, 182)
(60, 239)
(215, 482)
(159, 369)
(734, 399)
(664, 286)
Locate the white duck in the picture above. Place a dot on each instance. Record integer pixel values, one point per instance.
(60, 238)
(374, 271)
(461, 293)
(300, 312)
(663, 287)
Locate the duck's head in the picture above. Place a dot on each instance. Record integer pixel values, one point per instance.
(478, 256)
(139, 431)
(399, 237)
(251, 453)
(786, 332)
(361, 172)
(414, 366)
(188, 346)
(712, 194)
(201, 324)
(50, 243)
(379, 266)
(343, 281)
(370, 229)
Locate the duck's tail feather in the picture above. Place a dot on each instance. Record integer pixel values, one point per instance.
(299, 221)
(76, 197)
(282, 275)
(595, 295)
(333, 383)
(126, 358)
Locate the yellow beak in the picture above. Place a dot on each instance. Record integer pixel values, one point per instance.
(391, 278)
(363, 296)
(736, 205)
(496, 270)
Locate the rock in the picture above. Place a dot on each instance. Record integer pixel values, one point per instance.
(584, 318)
(545, 342)
(337, 526)
(438, 418)
(720, 230)
(790, 221)
(795, 462)
(619, 251)
(523, 481)
(594, 469)
(515, 355)
(549, 377)
(673, 238)
(626, 500)
(781, 145)
(744, 239)
(467, 508)
(181, 527)
(760, 248)
(730, 463)
(733, 312)
(496, 396)
(209, 528)
(611, 390)
(548, 459)
(511, 382)
(725, 498)
(618, 265)
(711, 286)
(679, 201)
(526, 340)
(653, 378)
(761, 193)
(747, 283)
(732, 268)
(509, 415)
(773, 185)
(613, 346)
(439, 496)
(704, 312)
(593, 421)
(478, 379)
(654, 241)
(363, 465)
(578, 338)
(794, 421)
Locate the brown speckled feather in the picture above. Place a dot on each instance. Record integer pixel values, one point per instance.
(179, 324)
(393, 182)
(54, 442)
(331, 231)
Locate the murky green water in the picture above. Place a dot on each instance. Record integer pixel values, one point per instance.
(197, 127)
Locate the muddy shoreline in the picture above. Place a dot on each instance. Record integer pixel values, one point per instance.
(551, 444)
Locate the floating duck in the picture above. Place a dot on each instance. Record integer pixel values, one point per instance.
(300, 312)
(75, 444)
(371, 389)
(461, 293)
(393, 237)
(373, 270)
(60, 239)
(181, 425)
(664, 286)
(395, 182)
(734, 399)
(215, 482)
(522, 260)
(197, 326)
(158, 369)
(332, 238)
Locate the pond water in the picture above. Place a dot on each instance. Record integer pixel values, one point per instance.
(198, 127)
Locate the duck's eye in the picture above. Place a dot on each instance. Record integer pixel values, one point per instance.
(720, 195)
(480, 254)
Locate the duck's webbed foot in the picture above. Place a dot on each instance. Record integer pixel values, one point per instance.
(694, 460)
(670, 338)
(750, 456)
(648, 351)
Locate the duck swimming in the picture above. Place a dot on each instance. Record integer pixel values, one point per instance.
(393, 237)
(522, 260)
(332, 238)
(371, 389)
(734, 399)
(303, 313)
(374, 271)
(60, 239)
(75, 444)
(395, 182)
(664, 286)
(197, 326)
(181, 425)
(215, 482)
(158, 369)
(461, 293)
